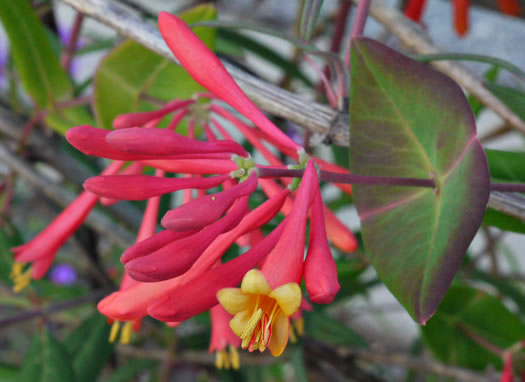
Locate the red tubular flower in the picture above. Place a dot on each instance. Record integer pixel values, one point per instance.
(461, 16)
(141, 187)
(508, 374)
(42, 249)
(223, 340)
(510, 7)
(128, 120)
(133, 169)
(207, 209)
(162, 265)
(320, 270)
(267, 298)
(92, 141)
(207, 70)
(133, 302)
(414, 9)
(147, 229)
(163, 142)
(198, 294)
(193, 166)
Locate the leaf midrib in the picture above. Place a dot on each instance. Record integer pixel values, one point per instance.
(39, 66)
(430, 168)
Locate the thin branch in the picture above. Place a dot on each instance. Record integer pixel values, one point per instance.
(313, 116)
(95, 220)
(412, 36)
(72, 42)
(42, 312)
(335, 177)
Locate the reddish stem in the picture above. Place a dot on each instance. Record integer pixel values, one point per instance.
(334, 177)
(67, 57)
(358, 26)
(507, 187)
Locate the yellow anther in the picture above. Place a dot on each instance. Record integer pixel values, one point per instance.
(16, 269)
(293, 337)
(219, 359)
(299, 325)
(114, 331)
(234, 357)
(246, 335)
(21, 278)
(125, 335)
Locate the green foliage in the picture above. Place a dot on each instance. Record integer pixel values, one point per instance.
(47, 361)
(327, 329)
(505, 167)
(131, 70)
(89, 347)
(465, 315)
(38, 65)
(130, 370)
(401, 113)
(36, 61)
(309, 15)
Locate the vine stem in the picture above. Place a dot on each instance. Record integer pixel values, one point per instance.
(72, 42)
(507, 187)
(337, 177)
(358, 26)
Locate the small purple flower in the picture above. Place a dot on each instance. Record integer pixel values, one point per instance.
(63, 274)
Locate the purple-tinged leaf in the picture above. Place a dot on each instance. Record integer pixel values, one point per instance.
(407, 120)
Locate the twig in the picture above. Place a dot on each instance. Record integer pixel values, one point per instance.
(42, 312)
(42, 147)
(95, 220)
(72, 42)
(313, 116)
(417, 40)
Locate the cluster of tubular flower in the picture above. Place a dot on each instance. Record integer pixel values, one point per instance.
(414, 10)
(177, 273)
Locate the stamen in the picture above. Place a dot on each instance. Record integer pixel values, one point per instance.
(250, 327)
(114, 331)
(21, 279)
(293, 337)
(234, 357)
(299, 325)
(125, 335)
(219, 359)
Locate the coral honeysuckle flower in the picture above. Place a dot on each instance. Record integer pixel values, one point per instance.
(320, 270)
(261, 314)
(266, 300)
(414, 11)
(41, 250)
(223, 340)
(135, 301)
(207, 70)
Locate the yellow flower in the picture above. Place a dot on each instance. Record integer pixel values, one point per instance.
(261, 314)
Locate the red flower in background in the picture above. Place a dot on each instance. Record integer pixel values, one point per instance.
(414, 11)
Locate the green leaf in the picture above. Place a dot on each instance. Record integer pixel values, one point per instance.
(327, 329)
(9, 373)
(513, 98)
(132, 70)
(130, 370)
(497, 62)
(46, 361)
(37, 63)
(464, 314)
(505, 166)
(408, 120)
(309, 16)
(89, 347)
